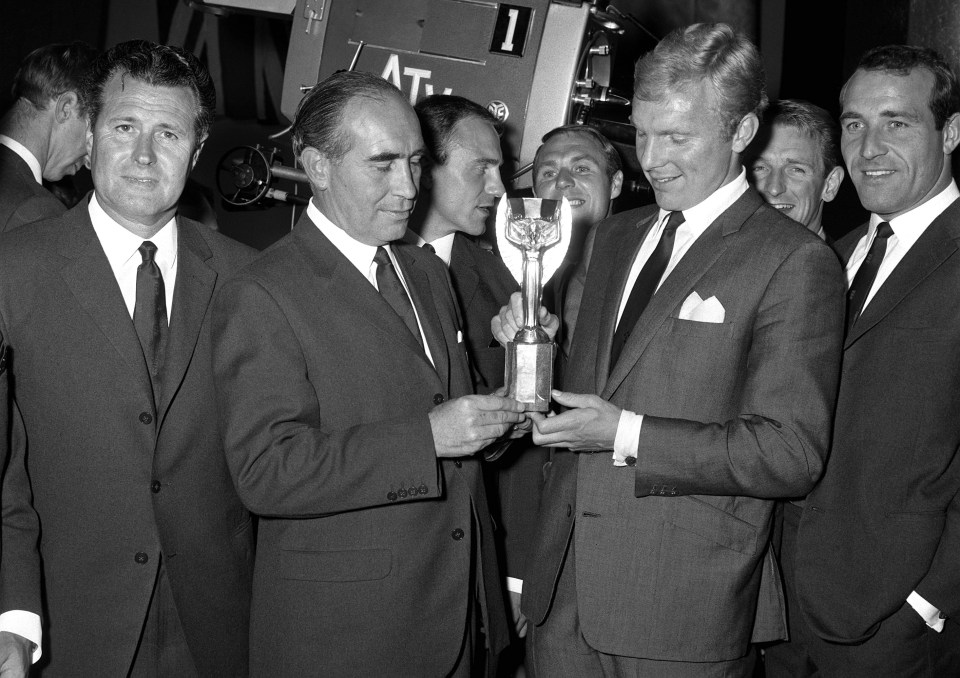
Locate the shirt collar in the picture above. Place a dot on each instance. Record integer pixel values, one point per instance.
(360, 254)
(910, 225)
(122, 246)
(716, 203)
(24, 153)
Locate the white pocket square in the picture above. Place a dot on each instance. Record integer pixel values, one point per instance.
(702, 310)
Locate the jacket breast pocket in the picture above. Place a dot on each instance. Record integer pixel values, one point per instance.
(695, 328)
(357, 565)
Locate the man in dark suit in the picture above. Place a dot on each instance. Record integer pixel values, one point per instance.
(878, 549)
(343, 385)
(700, 386)
(794, 162)
(146, 549)
(43, 134)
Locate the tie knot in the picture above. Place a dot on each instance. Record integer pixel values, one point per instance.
(884, 230)
(429, 248)
(674, 221)
(381, 258)
(147, 251)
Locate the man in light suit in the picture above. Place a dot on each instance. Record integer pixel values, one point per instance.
(343, 385)
(146, 549)
(700, 386)
(794, 162)
(43, 134)
(878, 549)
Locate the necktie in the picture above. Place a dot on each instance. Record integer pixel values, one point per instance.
(429, 248)
(866, 274)
(645, 285)
(150, 310)
(388, 282)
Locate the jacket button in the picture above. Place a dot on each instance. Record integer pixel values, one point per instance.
(423, 489)
(392, 496)
(457, 534)
(146, 418)
(437, 398)
(458, 463)
(402, 493)
(630, 461)
(141, 558)
(155, 486)
(412, 491)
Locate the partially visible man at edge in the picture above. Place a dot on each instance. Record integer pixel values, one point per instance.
(344, 393)
(145, 552)
(43, 133)
(794, 161)
(700, 387)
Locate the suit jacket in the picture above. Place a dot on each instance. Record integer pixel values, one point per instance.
(22, 199)
(371, 551)
(117, 480)
(670, 554)
(885, 518)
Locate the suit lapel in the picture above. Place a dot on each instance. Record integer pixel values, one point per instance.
(937, 244)
(90, 279)
(701, 256)
(422, 296)
(465, 266)
(371, 312)
(193, 289)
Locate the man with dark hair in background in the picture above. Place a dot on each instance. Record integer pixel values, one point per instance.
(145, 550)
(794, 161)
(344, 393)
(878, 548)
(699, 388)
(43, 134)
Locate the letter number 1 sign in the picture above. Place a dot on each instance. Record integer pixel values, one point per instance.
(510, 32)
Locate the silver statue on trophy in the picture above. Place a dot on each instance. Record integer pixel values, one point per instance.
(533, 235)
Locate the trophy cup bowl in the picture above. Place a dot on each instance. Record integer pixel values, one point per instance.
(533, 235)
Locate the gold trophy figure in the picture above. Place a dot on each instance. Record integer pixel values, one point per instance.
(533, 235)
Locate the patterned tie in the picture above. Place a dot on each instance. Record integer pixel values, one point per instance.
(150, 310)
(645, 286)
(866, 274)
(388, 282)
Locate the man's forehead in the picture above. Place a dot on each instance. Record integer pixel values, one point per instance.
(887, 93)
(792, 141)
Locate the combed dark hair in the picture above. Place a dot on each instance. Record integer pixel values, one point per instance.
(439, 114)
(728, 60)
(812, 121)
(902, 59)
(157, 65)
(610, 155)
(49, 71)
(317, 123)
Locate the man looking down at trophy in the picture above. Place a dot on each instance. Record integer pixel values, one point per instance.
(699, 387)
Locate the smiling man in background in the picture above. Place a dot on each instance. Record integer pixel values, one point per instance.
(794, 162)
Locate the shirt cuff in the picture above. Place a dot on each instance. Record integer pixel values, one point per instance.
(514, 585)
(26, 624)
(627, 441)
(931, 615)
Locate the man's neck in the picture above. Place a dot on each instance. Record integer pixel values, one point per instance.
(27, 125)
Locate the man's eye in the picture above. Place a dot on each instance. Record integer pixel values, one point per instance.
(759, 169)
(799, 171)
(123, 128)
(169, 136)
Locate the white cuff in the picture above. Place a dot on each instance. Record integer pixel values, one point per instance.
(931, 615)
(627, 441)
(514, 585)
(26, 624)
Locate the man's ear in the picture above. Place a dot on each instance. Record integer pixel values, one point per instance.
(66, 106)
(196, 152)
(832, 184)
(616, 184)
(746, 130)
(317, 167)
(951, 133)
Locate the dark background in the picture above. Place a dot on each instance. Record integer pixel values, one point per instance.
(809, 48)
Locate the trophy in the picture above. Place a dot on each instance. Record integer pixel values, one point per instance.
(533, 235)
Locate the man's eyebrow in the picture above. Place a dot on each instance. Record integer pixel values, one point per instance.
(893, 113)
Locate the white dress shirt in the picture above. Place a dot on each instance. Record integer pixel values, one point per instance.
(24, 153)
(361, 256)
(442, 246)
(122, 250)
(696, 220)
(907, 229)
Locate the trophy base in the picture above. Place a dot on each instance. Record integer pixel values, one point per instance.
(529, 374)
